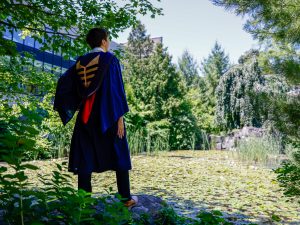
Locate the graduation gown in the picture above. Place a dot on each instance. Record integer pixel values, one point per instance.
(95, 146)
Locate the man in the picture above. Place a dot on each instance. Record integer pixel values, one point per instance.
(94, 85)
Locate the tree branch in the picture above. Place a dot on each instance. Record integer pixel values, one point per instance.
(39, 30)
(32, 7)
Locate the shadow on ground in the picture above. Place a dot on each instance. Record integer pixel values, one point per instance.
(191, 209)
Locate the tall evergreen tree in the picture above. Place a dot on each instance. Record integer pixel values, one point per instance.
(139, 48)
(281, 58)
(213, 68)
(167, 95)
(139, 43)
(189, 68)
(160, 91)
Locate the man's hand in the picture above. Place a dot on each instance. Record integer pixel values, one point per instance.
(120, 132)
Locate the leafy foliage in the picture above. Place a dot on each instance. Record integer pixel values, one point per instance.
(278, 19)
(139, 43)
(157, 97)
(276, 25)
(213, 68)
(189, 68)
(28, 122)
(53, 23)
(237, 104)
(169, 216)
(23, 106)
(282, 59)
(56, 203)
(210, 218)
(288, 176)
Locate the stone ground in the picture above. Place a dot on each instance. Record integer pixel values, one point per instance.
(191, 181)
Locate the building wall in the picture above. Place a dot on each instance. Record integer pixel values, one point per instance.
(49, 61)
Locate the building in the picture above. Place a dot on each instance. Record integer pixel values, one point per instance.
(156, 40)
(49, 61)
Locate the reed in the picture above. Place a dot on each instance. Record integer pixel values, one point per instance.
(265, 150)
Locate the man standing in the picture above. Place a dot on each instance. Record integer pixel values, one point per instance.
(94, 86)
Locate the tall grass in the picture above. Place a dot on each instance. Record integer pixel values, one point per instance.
(206, 144)
(265, 150)
(135, 141)
(143, 141)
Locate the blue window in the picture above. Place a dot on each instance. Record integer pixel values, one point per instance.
(38, 44)
(49, 61)
(29, 41)
(17, 37)
(48, 67)
(38, 64)
(7, 34)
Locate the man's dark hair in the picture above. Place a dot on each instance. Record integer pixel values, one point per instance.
(95, 36)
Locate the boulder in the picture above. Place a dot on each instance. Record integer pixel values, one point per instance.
(230, 141)
(219, 146)
(147, 205)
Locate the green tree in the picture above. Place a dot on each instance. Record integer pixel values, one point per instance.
(167, 93)
(157, 92)
(139, 43)
(22, 110)
(189, 68)
(237, 104)
(28, 122)
(276, 21)
(276, 25)
(281, 58)
(53, 23)
(212, 67)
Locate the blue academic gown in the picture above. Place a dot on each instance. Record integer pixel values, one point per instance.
(95, 146)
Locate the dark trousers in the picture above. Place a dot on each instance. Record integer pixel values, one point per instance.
(122, 176)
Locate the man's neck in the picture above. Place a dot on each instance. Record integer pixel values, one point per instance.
(97, 49)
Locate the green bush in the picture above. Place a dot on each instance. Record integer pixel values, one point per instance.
(288, 175)
(167, 216)
(212, 218)
(56, 203)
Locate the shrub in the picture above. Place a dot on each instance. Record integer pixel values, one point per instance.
(288, 175)
(56, 203)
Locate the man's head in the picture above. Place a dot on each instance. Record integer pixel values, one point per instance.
(98, 37)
